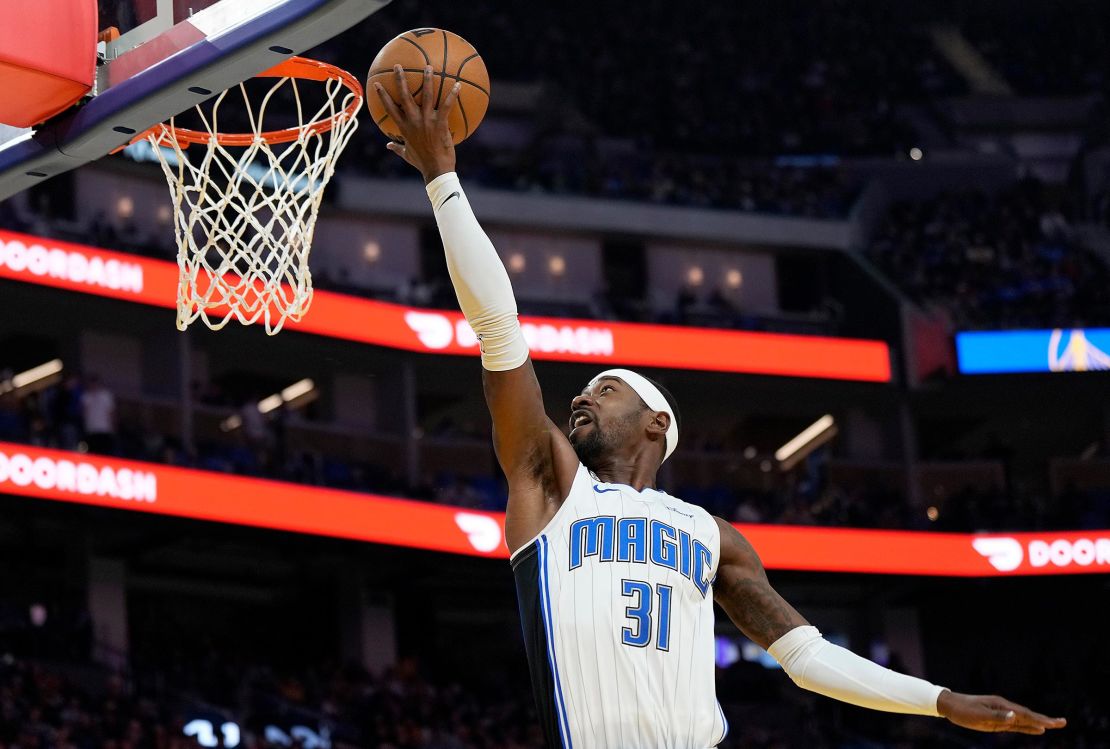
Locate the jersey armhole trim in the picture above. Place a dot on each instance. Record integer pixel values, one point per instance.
(524, 553)
(582, 471)
(717, 554)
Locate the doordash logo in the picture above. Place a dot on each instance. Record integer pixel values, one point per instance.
(1007, 554)
(1004, 554)
(77, 477)
(483, 531)
(68, 265)
(433, 330)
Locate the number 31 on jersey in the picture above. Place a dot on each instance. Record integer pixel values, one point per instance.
(639, 613)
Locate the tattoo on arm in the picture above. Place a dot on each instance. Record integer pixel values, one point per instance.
(754, 606)
(743, 591)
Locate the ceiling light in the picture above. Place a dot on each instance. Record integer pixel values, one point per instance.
(806, 441)
(298, 389)
(34, 374)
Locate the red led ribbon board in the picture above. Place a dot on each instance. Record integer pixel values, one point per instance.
(206, 495)
(146, 487)
(88, 270)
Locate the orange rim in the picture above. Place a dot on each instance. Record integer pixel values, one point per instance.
(295, 67)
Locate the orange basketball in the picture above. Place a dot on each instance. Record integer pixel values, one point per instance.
(452, 59)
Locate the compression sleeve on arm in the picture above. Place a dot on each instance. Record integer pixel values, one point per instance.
(814, 663)
(478, 275)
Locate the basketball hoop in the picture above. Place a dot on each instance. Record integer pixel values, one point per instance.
(246, 210)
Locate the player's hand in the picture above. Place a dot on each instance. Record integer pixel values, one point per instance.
(426, 139)
(993, 713)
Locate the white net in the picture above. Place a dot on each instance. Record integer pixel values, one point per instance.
(246, 208)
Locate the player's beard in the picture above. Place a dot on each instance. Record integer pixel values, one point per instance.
(593, 448)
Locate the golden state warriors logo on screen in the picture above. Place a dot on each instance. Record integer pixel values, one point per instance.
(1072, 351)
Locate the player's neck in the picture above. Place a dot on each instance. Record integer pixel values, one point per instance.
(637, 471)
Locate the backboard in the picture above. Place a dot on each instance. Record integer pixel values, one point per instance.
(162, 57)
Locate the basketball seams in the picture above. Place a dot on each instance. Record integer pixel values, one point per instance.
(466, 122)
(442, 69)
(472, 83)
(427, 60)
(458, 73)
(462, 109)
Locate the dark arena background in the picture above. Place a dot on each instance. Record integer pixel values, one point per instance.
(866, 245)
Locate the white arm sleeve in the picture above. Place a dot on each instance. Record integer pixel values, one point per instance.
(814, 663)
(481, 283)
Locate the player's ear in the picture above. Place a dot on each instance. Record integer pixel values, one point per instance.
(660, 423)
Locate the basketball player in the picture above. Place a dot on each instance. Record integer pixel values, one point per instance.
(616, 579)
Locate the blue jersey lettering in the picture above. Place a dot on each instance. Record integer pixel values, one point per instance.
(633, 540)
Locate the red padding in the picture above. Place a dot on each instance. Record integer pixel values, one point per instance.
(47, 58)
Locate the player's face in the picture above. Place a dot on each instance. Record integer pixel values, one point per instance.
(604, 417)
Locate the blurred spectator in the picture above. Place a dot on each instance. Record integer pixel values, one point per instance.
(98, 411)
(12, 424)
(66, 411)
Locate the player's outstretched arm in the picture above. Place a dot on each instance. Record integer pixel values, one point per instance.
(744, 592)
(813, 663)
(535, 455)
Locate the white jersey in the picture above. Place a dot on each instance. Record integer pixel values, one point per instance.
(616, 603)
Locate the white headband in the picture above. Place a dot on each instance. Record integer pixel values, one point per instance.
(651, 396)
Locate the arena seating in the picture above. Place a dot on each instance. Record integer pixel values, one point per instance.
(72, 704)
(1004, 261)
(793, 81)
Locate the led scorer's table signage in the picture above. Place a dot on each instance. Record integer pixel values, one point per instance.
(88, 270)
(203, 495)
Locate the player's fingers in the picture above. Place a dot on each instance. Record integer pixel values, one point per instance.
(388, 103)
(399, 149)
(407, 102)
(1028, 717)
(1001, 712)
(1002, 719)
(427, 104)
(448, 102)
(1035, 731)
